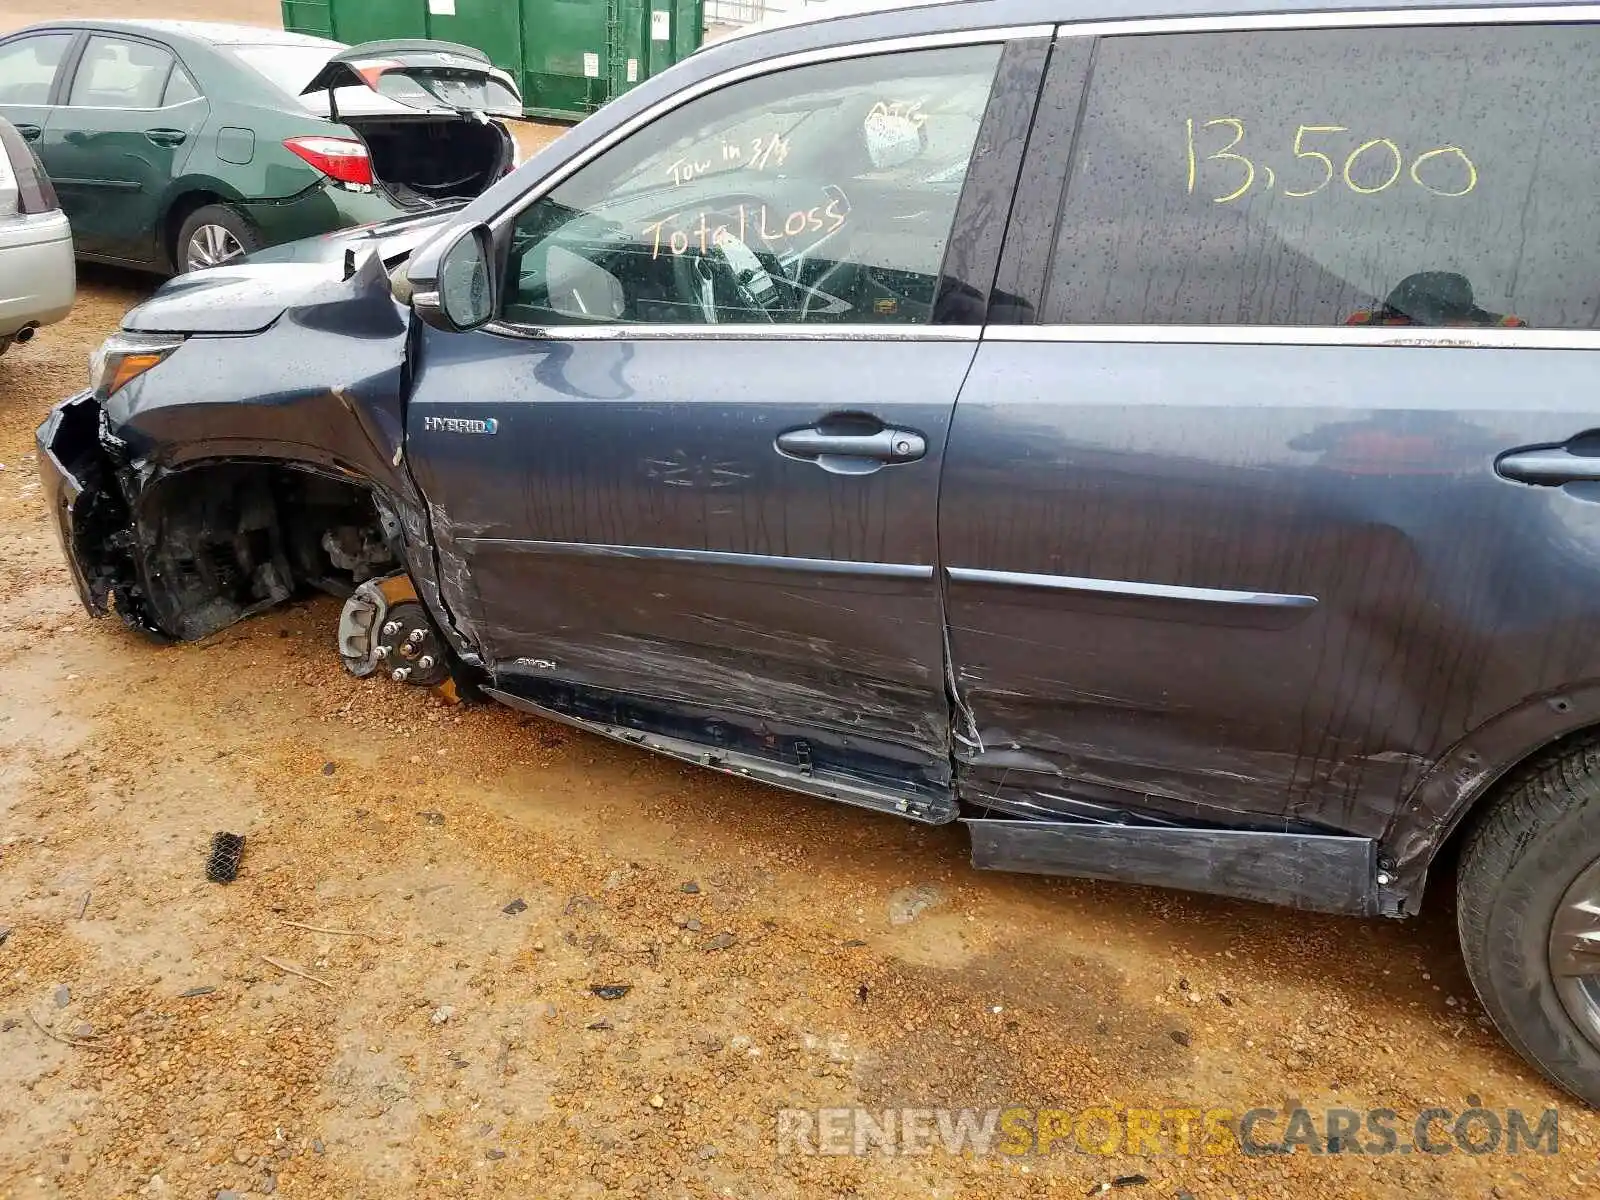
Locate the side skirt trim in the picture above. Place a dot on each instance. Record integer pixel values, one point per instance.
(1315, 872)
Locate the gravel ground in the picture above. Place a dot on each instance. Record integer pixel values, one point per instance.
(778, 952)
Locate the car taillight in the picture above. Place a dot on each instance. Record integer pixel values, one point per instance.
(34, 191)
(338, 158)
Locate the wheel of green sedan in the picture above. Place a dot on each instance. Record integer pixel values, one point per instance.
(212, 236)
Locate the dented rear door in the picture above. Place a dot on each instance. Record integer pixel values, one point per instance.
(688, 485)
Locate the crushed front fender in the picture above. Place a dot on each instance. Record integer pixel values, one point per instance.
(89, 509)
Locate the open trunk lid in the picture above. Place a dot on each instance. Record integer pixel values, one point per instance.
(429, 78)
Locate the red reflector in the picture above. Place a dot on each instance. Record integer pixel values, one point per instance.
(372, 71)
(337, 158)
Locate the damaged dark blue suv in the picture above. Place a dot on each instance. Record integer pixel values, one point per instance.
(1166, 442)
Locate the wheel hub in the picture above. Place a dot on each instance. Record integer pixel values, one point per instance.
(409, 649)
(211, 246)
(1575, 951)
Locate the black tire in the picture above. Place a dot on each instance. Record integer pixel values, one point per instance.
(221, 217)
(1535, 841)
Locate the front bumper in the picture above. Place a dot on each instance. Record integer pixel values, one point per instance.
(69, 452)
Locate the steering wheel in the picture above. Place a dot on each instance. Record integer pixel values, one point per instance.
(727, 261)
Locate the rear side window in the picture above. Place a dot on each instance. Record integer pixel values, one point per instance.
(121, 74)
(28, 67)
(1336, 177)
(180, 89)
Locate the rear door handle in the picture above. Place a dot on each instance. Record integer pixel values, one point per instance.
(852, 453)
(1550, 467)
(30, 133)
(167, 137)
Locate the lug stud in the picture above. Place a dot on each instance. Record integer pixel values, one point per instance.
(391, 628)
(425, 662)
(400, 674)
(416, 636)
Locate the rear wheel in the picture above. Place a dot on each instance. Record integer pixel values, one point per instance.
(1528, 911)
(214, 235)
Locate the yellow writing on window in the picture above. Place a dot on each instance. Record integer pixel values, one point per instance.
(911, 110)
(758, 154)
(1323, 159)
(703, 229)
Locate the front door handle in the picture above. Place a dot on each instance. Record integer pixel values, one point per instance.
(30, 133)
(1550, 467)
(166, 137)
(852, 453)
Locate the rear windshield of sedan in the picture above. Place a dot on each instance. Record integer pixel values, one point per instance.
(287, 67)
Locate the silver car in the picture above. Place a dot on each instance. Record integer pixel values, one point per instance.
(37, 278)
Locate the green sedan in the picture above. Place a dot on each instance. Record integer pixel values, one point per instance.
(180, 145)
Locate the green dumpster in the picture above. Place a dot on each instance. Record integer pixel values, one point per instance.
(568, 56)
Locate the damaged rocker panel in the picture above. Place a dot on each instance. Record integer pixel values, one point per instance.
(827, 786)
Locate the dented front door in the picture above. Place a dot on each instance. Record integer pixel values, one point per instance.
(630, 544)
(687, 484)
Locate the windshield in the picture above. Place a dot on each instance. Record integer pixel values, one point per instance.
(287, 67)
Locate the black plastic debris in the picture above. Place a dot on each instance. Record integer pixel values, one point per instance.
(5, 932)
(329, 768)
(195, 991)
(691, 888)
(516, 906)
(227, 850)
(611, 991)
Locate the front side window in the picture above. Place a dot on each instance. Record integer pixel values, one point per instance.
(119, 74)
(1440, 177)
(822, 194)
(28, 67)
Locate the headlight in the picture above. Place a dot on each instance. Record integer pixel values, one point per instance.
(126, 356)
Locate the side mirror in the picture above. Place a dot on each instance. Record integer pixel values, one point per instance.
(467, 295)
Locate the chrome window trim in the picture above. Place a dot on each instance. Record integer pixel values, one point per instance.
(738, 333)
(687, 95)
(1544, 14)
(1434, 337)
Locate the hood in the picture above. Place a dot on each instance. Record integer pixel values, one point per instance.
(248, 296)
(418, 76)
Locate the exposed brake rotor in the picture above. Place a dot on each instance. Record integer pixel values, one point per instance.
(384, 626)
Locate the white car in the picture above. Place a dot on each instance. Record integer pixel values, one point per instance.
(38, 279)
